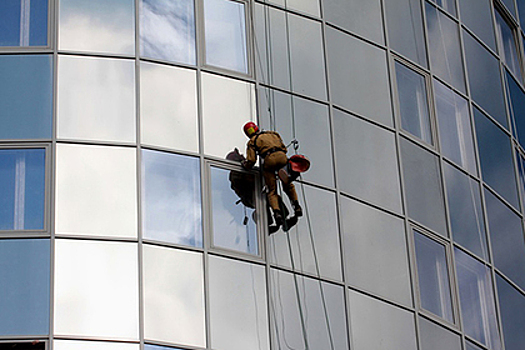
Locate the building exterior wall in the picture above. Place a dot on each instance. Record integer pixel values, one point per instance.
(119, 228)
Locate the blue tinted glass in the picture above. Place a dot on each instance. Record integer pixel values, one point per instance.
(26, 84)
(521, 10)
(171, 205)
(233, 205)
(167, 30)
(23, 23)
(517, 109)
(484, 79)
(22, 189)
(495, 155)
(24, 287)
(477, 15)
(506, 236)
(512, 306)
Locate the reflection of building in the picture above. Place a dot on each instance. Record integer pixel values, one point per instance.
(120, 229)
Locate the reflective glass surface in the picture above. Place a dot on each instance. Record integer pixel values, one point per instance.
(477, 300)
(311, 7)
(455, 127)
(471, 346)
(447, 5)
(413, 103)
(484, 78)
(405, 29)
(445, 51)
(352, 63)
(97, 25)
(225, 33)
(362, 17)
(516, 108)
(96, 99)
(90, 345)
(24, 286)
(22, 189)
(26, 84)
(237, 305)
(477, 15)
(521, 10)
(368, 153)
(314, 241)
(506, 236)
(173, 296)
(465, 212)
(380, 326)
(171, 198)
(375, 251)
(512, 308)
(230, 215)
(432, 270)
(434, 337)
(227, 105)
(167, 30)
(495, 153)
(507, 45)
(323, 314)
(96, 191)
(23, 23)
(96, 289)
(423, 191)
(168, 107)
(307, 57)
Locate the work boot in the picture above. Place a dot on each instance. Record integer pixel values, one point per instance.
(278, 217)
(297, 209)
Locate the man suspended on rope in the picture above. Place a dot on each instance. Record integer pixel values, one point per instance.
(270, 147)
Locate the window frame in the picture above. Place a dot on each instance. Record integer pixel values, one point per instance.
(45, 231)
(513, 27)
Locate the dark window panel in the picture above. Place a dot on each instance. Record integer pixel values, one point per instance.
(447, 5)
(434, 337)
(512, 307)
(34, 345)
(23, 23)
(477, 15)
(508, 50)
(517, 109)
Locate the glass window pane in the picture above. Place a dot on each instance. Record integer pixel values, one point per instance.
(432, 270)
(471, 346)
(477, 300)
(90, 345)
(96, 191)
(355, 63)
(167, 30)
(521, 10)
(380, 326)
(375, 251)
(447, 5)
(477, 15)
(96, 99)
(405, 29)
(516, 103)
(445, 51)
(506, 236)
(174, 296)
(24, 286)
(455, 127)
(495, 153)
(512, 308)
(96, 289)
(482, 67)
(311, 7)
(97, 25)
(168, 107)
(323, 314)
(226, 105)
(22, 189)
(507, 45)
(307, 57)
(362, 17)
(225, 32)
(424, 194)
(434, 337)
(23, 23)
(26, 84)
(171, 199)
(466, 214)
(229, 215)
(237, 305)
(369, 154)
(316, 231)
(413, 103)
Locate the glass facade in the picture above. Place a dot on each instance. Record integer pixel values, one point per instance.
(125, 223)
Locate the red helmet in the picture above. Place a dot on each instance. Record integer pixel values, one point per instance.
(250, 129)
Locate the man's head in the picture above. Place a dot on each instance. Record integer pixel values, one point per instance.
(250, 129)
